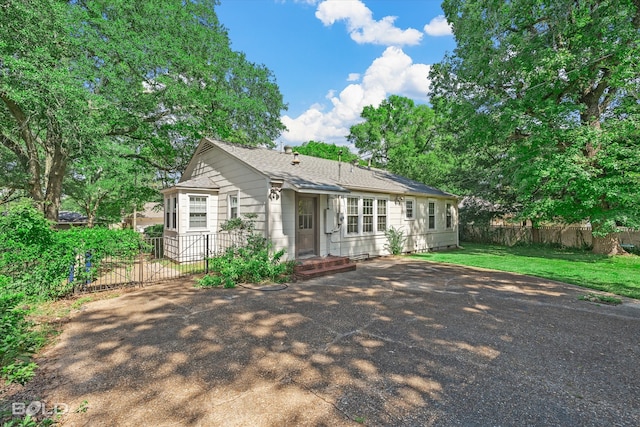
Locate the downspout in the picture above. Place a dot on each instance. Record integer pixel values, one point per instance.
(457, 219)
(267, 213)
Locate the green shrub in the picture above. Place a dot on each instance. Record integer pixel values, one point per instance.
(395, 240)
(251, 263)
(18, 341)
(155, 230)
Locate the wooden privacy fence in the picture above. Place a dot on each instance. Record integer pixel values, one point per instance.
(159, 259)
(570, 236)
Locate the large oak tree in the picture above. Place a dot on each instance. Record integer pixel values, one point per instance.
(543, 98)
(152, 76)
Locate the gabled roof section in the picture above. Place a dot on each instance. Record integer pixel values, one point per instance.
(315, 174)
(198, 183)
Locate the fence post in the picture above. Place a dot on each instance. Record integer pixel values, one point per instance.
(206, 255)
(141, 273)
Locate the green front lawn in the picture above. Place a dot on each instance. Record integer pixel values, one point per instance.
(619, 275)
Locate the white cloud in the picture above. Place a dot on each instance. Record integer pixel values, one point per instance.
(362, 27)
(438, 26)
(353, 77)
(392, 73)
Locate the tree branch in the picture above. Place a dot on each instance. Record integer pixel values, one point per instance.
(15, 147)
(149, 162)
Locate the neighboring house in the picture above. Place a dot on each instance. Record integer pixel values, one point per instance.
(307, 205)
(151, 214)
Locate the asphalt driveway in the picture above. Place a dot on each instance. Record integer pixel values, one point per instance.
(394, 343)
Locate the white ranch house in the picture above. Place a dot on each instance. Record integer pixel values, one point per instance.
(306, 205)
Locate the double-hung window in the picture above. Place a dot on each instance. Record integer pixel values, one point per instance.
(353, 217)
(409, 208)
(233, 206)
(449, 216)
(367, 215)
(174, 213)
(197, 212)
(167, 213)
(382, 215)
(171, 212)
(432, 215)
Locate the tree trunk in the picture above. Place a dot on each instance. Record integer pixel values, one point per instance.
(53, 183)
(91, 218)
(44, 186)
(608, 245)
(535, 234)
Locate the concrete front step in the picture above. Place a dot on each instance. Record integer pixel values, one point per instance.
(316, 267)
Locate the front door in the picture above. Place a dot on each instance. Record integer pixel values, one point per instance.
(307, 227)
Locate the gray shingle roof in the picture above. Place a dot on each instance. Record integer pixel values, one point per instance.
(199, 182)
(313, 173)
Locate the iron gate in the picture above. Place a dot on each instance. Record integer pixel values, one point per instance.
(159, 259)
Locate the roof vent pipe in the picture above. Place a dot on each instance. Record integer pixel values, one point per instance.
(296, 160)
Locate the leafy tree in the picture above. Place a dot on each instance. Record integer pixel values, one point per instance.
(153, 76)
(324, 150)
(107, 184)
(400, 136)
(542, 98)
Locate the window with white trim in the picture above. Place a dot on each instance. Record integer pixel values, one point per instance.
(197, 212)
(367, 215)
(449, 216)
(171, 212)
(432, 215)
(353, 218)
(409, 208)
(233, 206)
(382, 215)
(167, 212)
(174, 213)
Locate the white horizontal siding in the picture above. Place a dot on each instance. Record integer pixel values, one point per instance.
(418, 237)
(234, 177)
(282, 227)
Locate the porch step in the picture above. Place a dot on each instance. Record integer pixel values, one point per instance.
(317, 267)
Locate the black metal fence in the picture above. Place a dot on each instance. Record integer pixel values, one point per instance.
(159, 259)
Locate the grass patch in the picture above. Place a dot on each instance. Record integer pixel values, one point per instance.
(604, 299)
(619, 275)
(185, 268)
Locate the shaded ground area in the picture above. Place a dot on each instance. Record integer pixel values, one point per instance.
(395, 343)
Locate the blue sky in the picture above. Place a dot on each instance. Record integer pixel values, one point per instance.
(331, 58)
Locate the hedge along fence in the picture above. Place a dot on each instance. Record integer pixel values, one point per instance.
(571, 236)
(36, 261)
